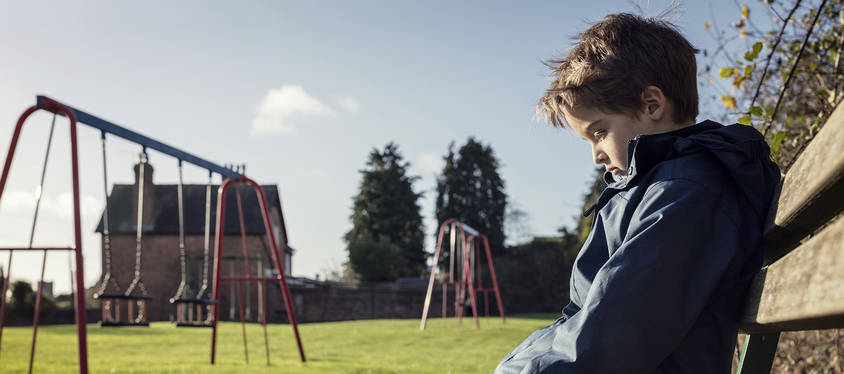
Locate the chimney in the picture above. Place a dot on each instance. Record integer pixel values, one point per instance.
(147, 173)
(149, 196)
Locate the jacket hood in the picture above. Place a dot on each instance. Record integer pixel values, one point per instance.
(740, 149)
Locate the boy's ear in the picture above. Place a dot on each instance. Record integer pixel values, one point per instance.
(655, 103)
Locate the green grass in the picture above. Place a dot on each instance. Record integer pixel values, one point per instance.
(361, 347)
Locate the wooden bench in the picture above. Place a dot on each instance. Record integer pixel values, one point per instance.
(802, 286)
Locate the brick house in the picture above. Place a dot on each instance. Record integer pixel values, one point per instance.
(160, 256)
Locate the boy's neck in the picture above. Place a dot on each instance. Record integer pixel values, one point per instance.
(668, 125)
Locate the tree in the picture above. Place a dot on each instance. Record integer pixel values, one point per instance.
(387, 236)
(785, 81)
(471, 190)
(376, 260)
(23, 298)
(516, 225)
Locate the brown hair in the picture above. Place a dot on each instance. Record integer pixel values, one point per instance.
(614, 61)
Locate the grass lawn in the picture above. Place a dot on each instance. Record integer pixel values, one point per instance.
(374, 346)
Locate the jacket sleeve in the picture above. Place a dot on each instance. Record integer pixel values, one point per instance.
(650, 292)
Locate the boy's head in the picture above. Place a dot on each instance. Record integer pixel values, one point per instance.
(625, 76)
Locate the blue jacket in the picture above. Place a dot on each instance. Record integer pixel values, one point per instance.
(659, 284)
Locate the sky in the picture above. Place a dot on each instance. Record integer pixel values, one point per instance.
(300, 92)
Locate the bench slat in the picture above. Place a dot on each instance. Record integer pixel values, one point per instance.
(804, 290)
(812, 191)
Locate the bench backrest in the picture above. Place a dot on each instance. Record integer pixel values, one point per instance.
(802, 286)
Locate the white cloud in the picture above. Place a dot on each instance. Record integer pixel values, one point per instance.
(431, 162)
(350, 104)
(280, 106)
(90, 207)
(19, 203)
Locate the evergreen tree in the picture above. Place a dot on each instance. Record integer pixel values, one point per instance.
(471, 190)
(22, 302)
(387, 237)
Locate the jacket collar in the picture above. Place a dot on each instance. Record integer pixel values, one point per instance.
(643, 153)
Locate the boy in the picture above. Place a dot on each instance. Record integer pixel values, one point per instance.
(659, 283)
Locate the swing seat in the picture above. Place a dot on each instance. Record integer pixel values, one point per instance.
(191, 304)
(116, 297)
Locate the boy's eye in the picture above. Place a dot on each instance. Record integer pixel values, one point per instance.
(599, 134)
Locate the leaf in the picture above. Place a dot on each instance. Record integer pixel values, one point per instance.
(777, 142)
(744, 120)
(745, 12)
(710, 79)
(737, 81)
(769, 111)
(707, 25)
(739, 24)
(729, 101)
(755, 111)
(757, 47)
(726, 72)
(742, 34)
(754, 53)
(748, 71)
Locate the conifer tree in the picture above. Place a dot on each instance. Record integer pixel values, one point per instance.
(471, 190)
(387, 237)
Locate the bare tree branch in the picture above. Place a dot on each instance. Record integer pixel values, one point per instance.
(773, 50)
(793, 67)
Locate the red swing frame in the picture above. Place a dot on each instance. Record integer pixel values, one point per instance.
(79, 297)
(467, 235)
(218, 257)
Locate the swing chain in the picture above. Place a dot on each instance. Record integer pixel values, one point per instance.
(205, 258)
(182, 290)
(108, 280)
(137, 282)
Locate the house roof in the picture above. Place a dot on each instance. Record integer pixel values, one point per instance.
(165, 220)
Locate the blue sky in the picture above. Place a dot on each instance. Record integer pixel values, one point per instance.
(300, 92)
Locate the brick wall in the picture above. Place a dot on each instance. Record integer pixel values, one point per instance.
(325, 301)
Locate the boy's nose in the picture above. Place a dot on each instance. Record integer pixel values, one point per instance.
(598, 156)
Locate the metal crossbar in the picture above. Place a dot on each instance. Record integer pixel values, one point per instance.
(46, 103)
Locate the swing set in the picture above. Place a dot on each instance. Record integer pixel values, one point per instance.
(110, 294)
(468, 251)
